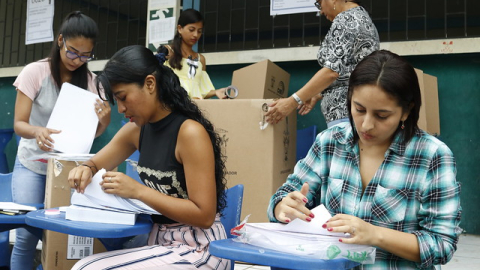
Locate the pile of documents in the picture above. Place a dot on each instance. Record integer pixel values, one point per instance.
(94, 205)
(10, 208)
(304, 238)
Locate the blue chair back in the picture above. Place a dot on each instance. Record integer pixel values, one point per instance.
(131, 171)
(5, 196)
(232, 212)
(6, 187)
(305, 139)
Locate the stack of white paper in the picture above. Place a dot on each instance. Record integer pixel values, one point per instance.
(10, 208)
(98, 206)
(305, 238)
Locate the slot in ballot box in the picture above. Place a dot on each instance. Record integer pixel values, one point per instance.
(258, 155)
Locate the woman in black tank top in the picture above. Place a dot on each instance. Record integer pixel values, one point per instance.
(180, 164)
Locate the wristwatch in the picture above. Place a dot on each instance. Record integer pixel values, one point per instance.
(297, 99)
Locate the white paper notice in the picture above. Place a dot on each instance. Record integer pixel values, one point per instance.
(281, 7)
(161, 3)
(74, 114)
(161, 29)
(39, 21)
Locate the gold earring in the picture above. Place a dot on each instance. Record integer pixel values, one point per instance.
(334, 6)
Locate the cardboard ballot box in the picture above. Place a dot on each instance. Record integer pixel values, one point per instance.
(61, 251)
(262, 80)
(429, 118)
(258, 155)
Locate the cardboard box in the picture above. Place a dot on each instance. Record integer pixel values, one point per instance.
(429, 118)
(61, 251)
(260, 159)
(262, 80)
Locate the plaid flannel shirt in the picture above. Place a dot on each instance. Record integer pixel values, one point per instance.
(414, 191)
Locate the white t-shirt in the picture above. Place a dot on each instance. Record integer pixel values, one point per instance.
(36, 82)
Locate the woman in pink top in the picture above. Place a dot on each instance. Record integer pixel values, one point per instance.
(38, 86)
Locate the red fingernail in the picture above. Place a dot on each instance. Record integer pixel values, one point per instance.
(324, 226)
(340, 240)
(312, 215)
(305, 200)
(330, 229)
(287, 220)
(308, 219)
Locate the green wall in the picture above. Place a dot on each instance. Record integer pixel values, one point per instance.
(459, 95)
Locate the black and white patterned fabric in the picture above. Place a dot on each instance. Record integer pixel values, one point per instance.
(351, 37)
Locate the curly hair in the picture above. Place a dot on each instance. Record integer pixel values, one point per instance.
(132, 64)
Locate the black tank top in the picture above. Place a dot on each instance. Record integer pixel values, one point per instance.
(157, 166)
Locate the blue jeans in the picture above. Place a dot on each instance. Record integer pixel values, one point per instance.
(27, 187)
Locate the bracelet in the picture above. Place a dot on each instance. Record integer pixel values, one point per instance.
(297, 99)
(89, 166)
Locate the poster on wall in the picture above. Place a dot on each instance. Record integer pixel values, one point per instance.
(161, 22)
(39, 27)
(282, 7)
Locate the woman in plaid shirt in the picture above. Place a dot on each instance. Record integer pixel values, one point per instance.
(387, 183)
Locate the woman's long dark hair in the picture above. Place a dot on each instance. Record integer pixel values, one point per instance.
(132, 64)
(76, 24)
(397, 78)
(187, 16)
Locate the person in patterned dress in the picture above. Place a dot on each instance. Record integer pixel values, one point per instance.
(386, 182)
(351, 37)
(180, 165)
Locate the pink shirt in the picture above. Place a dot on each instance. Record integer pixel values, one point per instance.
(36, 82)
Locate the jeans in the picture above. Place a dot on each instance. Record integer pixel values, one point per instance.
(27, 187)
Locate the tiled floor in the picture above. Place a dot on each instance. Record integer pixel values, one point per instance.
(467, 256)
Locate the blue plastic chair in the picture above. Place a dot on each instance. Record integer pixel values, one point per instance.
(5, 196)
(305, 139)
(5, 137)
(231, 213)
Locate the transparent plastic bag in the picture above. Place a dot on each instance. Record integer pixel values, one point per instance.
(324, 247)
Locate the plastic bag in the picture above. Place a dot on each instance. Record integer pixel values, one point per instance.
(326, 247)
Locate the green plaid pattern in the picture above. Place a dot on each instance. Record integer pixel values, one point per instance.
(414, 191)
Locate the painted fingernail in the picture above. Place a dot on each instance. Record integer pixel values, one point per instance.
(340, 240)
(287, 220)
(330, 229)
(305, 200)
(312, 215)
(308, 219)
(324, 226)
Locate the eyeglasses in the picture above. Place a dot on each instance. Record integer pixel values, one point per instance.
(318, 4)
(72, 55)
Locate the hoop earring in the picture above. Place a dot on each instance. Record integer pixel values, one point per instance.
(403, 125)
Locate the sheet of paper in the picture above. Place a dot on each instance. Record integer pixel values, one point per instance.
(16, 206)
(39, 26)
(94, 195)
(162, 29)
(74, 114)
(299, 226)
(281, 7)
